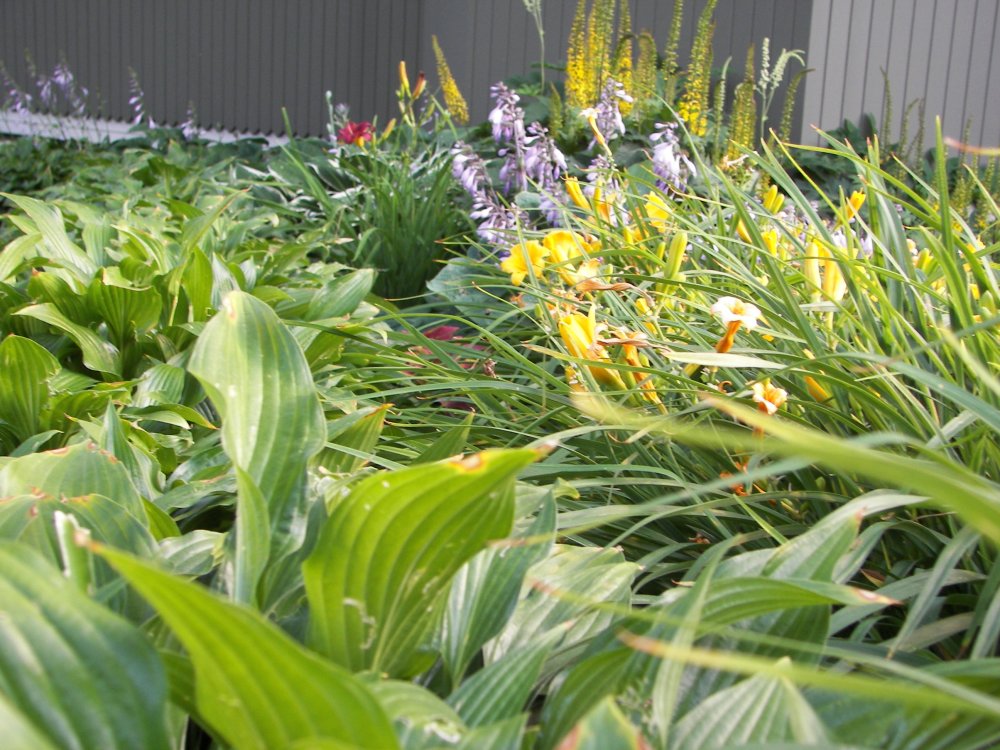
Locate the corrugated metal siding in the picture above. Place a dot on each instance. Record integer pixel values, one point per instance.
(945, 52)
(240, 61)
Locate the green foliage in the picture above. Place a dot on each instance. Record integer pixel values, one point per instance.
(233, 509)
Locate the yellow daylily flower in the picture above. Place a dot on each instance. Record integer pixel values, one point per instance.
(773, 200)
(530, 254)
(579, 334)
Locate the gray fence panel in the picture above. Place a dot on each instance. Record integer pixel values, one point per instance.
(238, 62)
(943, 52)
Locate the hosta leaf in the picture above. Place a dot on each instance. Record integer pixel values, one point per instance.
(257, 377)
(25, 371)
(30, 517)
(485, 591)
(759, 709)
(78, 470)
(501, 690)
(19, 732)
(254, 686)
(341, 296)
(604, 727)
(385, 557)
(58, 246)
(422, 720)
(81, 675)
(124, 309)
(253, 539)
(572, 584)
(359, 439)
(500, 736)
(99, 355)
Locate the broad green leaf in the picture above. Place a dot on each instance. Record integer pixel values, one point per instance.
(30, 517)
(378, 575)
(49, 222)
(421, 719)
(341, 296)
(501, 690)
(19, 732)
(99, 355)
(757, 710)
(25, 371)
(572, 584)
(257, 377)
(500, 736)
(81, 675)
(253, 539)
(359, 439)
(451, 443)
(254, 686)
(195, 553)
(485, 591)
(604, 728)
(81, 469)
(126, 310)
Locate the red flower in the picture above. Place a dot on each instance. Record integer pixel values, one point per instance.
(356, 133)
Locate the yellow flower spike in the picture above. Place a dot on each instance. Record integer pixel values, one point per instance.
(576, 193)
(773, 200)
(530, 254)
(579, 334)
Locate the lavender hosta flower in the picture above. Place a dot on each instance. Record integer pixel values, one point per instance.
(606, 115)
(469, 169)
(670, 164)
(506, 117)
(497, 223)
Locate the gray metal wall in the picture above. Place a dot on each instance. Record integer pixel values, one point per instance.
(944, 51)
(240, 61)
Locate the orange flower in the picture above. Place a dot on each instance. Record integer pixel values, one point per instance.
(769, 398)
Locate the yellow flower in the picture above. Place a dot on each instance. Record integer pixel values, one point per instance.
(816, 390)
(576, 193)
(773, 200)
(632, 357)
(530, 254)
(563, 245)
(658, 211)
(769, 398)
(453, 99)
(854, 204)
(579, 334)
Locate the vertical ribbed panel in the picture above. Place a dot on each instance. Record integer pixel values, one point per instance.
(944, 52)
(238, 62)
